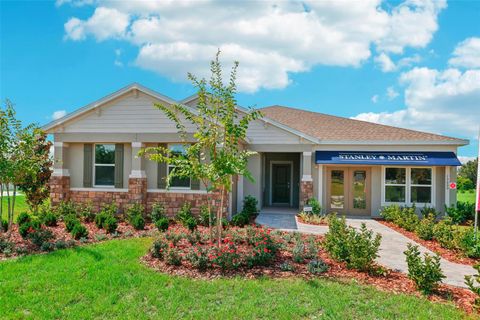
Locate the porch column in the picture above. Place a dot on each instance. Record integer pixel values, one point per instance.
(306, 183)
(60, 179)
(137, 180)
(320, 185)
(239, 193)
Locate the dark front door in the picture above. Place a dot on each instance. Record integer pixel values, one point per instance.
(281, 183)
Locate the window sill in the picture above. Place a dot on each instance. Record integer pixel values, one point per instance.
(99, 189)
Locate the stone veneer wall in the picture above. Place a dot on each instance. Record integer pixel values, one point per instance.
(306, 191)
(137, 193)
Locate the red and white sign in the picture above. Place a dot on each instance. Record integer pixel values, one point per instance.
(453, 185)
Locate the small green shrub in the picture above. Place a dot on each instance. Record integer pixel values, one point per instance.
(62, 244)
(461, 212)
(110, 224)
(298, 253)
(23, 218)
(311, 248)
(424, 229)
(250, 206)
(135, 214)
(4, 226)
(137, 221)
(47, 246)
(443, 232)
(336, 238)
(184, 214)
(100, 219)
(317, 266)
(240, 219)
(158, 212)
(40, 236)
(159, 248)
(198, 257)
(28, 227)
(391, 213)
(408, 218)
(190, 224)
(65, 208)
(86, 212)
(312, 218)
(110, 209)
(6, 246)
(316, 207)
(429, 212)
(49, 219)
(286, 266)
(426, 272)
(473, 283)
(70, 222)
(193, 237)
(162, 224)
(205, 217)
(465, 241)
(79, 231)
(173, 257)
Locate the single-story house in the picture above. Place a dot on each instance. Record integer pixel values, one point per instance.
(350, 166)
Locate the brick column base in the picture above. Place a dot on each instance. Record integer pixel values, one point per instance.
(306, 192)
(59, 189)
(137, 191)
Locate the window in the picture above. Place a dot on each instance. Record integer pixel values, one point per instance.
(395, 185)
(408, 185)
(177, 182)
(104, 165)
(421, 185)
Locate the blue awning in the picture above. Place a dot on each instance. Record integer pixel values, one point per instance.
(387, 158)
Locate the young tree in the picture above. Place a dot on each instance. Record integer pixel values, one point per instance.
(216, 156)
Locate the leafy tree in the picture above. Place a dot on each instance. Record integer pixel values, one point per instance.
(217, 154)
(469, 171)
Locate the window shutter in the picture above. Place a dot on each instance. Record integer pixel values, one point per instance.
(162, 172)
(119, 165)
(87, 165)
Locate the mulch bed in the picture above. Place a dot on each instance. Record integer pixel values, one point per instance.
(95, 234)
(389, 281)
(432, 245)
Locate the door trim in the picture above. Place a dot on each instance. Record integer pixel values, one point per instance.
(289, 162)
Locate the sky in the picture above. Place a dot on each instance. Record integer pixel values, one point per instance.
(412, 63)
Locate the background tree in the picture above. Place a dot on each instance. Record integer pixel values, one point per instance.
(217, 155)
(469, 171)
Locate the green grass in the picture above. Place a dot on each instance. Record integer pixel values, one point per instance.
(107, 281)
(466, 196)
(20, 206)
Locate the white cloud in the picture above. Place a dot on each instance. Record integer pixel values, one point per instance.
(59, 114)
(74, 3)
(103, 24)
(466, 159)
(118, 62)
(375, 98)
(467, 54)
(271, 39)
(386, 64)
(391, 93)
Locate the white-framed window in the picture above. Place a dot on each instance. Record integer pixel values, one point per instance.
(176, 182)
(104, 165)
(408, 185)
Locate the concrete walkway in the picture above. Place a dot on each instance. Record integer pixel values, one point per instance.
(391, 249)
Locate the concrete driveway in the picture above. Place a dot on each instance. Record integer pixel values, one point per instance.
(391, 248)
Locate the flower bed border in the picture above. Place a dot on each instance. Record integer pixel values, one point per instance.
(433, 245)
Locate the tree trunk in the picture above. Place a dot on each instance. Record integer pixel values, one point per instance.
(210, 229)
(13, 201)
(1, 207)
(9, 215)
(219, 217)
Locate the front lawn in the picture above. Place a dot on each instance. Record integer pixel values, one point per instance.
(466, 196)
(20, 206)
(107, 280)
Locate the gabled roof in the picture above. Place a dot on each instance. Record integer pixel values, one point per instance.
(106, 99)
(332, 129)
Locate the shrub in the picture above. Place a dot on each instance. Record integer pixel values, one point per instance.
(316, 208)
(408, 218)
(240, 219)
(198, 257)
(47, 246)
(358, 248)
(424, 229)
(70, 222)
(23, 218)
(110, 209)
(174, 237)
(79, 231)
(425, 273)
(473, 283)
(49, 219)
(311, 218)
(4, 225)
(138, 222)
(317, 266)
(159, 248)
(391, 213)
(86, 212)
(65, 208)
(194, 237)
(158, 212)
(465, 241)
(311, 248)
(298, 253)
(28, 227)
(173, 257)
(443, 232)
(110, 224)
(162, 224)
(461, 212)
(250, 206)
(100, 219)
(190, 224)
(6, 246)
(40, 236)
(263, 253)
(62, 244)
(184, 214)
(429, 212)
(286, 266)
(204, 218)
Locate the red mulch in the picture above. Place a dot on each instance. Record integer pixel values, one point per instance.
(323, 223)
(390, 281)
(450, 255)
(124, 230)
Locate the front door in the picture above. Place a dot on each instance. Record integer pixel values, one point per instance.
(281, 183)
(349, 190)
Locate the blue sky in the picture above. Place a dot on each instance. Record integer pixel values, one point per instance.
(413, 64)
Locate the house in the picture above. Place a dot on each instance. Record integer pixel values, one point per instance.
(350, 166)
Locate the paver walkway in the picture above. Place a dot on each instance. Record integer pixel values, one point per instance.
(391, 248)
